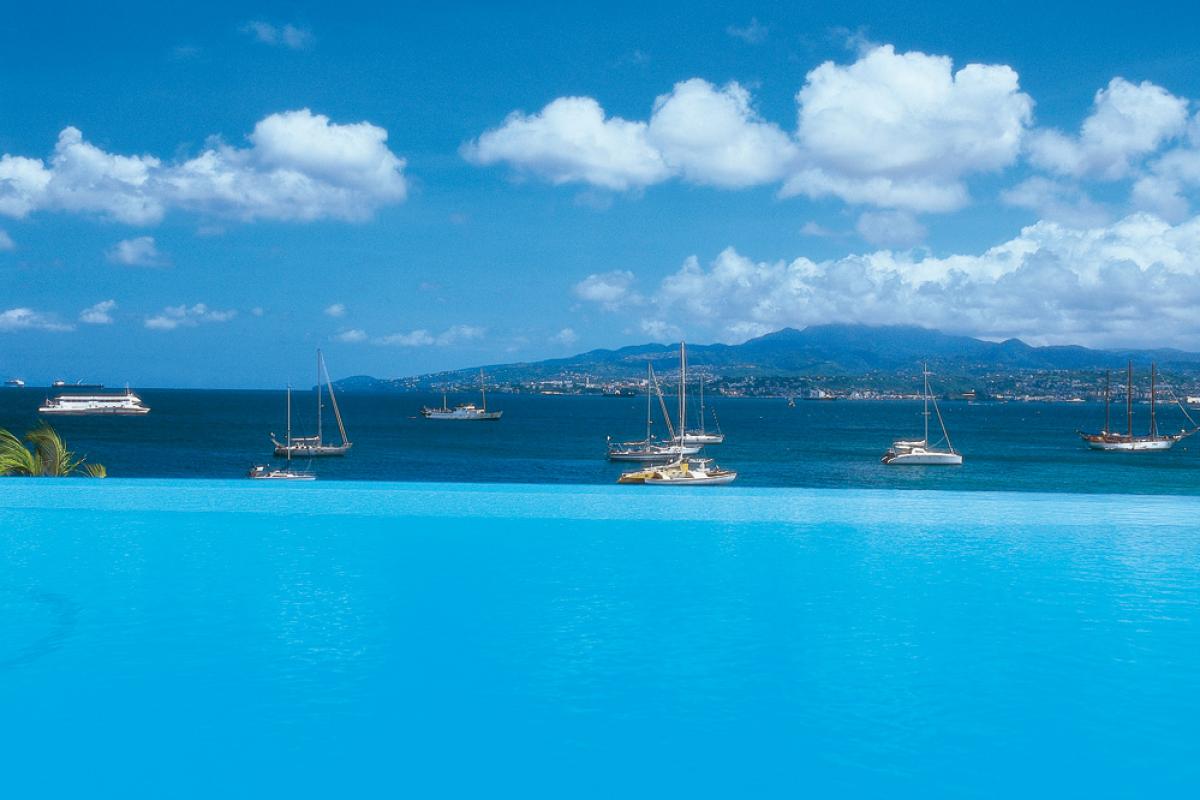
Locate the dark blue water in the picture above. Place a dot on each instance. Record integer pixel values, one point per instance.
(340, 639)
(561, 439)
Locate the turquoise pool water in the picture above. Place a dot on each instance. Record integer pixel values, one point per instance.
(209, 638)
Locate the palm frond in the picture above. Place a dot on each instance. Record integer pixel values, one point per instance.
(95, 471)
(15, 458)
(53, 457)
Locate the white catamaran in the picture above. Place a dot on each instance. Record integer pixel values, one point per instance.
(649, 451)
(265, 472)
(919, 452)
(463, 411)
(1129, 441)
(701, 436)
(126, 404)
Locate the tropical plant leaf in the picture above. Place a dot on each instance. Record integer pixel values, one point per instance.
(95, 471)
(15, 458)
(53, 457)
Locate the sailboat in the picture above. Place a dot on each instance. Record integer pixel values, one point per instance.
(463, 411)
(919, 452)
(648, 451)
(1128, 441)
(701, 436)
(684, 471)
(263, 472)
(315, 446)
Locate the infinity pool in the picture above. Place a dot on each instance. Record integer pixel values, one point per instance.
(208, 638)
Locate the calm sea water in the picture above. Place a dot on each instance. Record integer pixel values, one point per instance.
(558, 439)
(206, 638)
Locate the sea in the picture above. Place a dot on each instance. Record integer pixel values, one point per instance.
(562, 439)
(477, 610)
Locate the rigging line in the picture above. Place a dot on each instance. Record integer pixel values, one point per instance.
(663, 405)
(1181, 406)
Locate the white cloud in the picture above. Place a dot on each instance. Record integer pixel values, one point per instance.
(99, 314)
(610, 290)
(1098, 286)
(26, 319)
(137, 252)
(893, 130)
(287, 35)
(572, 141)
(1128, 121)
(754, 32)
(890, 228)
(1056, 201)
(299, 166)
(902, 130)
(6, 242)
(566, 336)
(455, 335)
(713, 136)
(183, 316)
(352, 335)
(336, 310)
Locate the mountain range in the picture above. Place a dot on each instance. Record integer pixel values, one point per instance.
(818, 350)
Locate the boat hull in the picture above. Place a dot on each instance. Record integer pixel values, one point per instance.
(923, 459)
(702, 438)
(95, 412)
(319, 451)
(1134, 445)
(483, 416)
(693, 480)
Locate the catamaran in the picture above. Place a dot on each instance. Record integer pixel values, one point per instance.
(315, 446)
(1128, 441)
(265, 472)
(701, 437)
(918, 451)
(463, 411)
(683, 471)
(127, 404)
(648, 451)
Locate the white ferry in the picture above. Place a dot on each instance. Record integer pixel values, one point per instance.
(80, 404)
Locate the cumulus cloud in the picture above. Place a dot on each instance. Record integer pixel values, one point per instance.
(454, 335)
(610, 290)
(99, 314)
(287, 35)
(1056, 201)
(183, 316)
(336, 310)
(1127, 122)
(6, 242)
(893, 130)
(902, 130)
(1051, 284)
(299, 166)
(27, 319)
(137, 252)
(566, 336)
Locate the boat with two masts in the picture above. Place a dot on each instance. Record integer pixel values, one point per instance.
(1129, 442)
(918, 452)
(701, 436)
(118, 404)
(648, 450)
(315, 446)
(269, 472)
(464, 412)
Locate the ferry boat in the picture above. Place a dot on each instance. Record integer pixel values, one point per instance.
(1130, 442)
(15, 383)
(126, 403)
(467, 412)
(78, 386)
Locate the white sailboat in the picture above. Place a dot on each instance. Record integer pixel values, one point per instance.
(684, 471)
(266, 472)
(701, 436)
(463, 411)
(648, 451)
(918, 452)
(1130, 442)
(314, 446)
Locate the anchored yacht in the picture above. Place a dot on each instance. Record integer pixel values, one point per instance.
(463, 411)
(126, 403)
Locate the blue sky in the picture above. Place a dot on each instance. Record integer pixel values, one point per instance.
(201, 196)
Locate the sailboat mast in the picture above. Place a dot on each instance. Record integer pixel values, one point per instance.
(682, 391)
(925, 369)
(1129, 399)
(649, 411)
(289, 424)
(1107, 401)
(320, 405)
(483, 390)
(1153, 421)
(701, 405)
